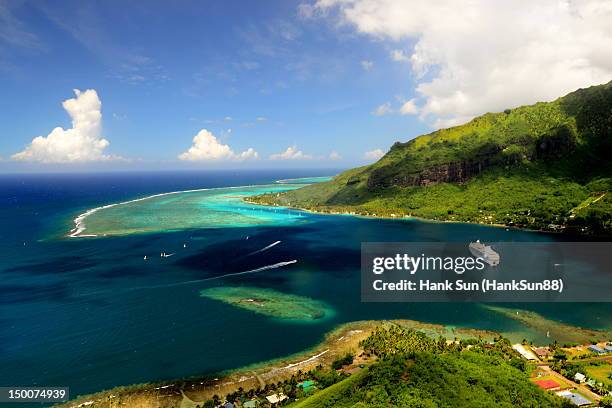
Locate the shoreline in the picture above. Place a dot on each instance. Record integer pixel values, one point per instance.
(188, 392)
(405, 217)
(196, 389)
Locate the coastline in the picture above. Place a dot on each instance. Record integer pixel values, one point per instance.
(401, 217)
(560, 331)
(191, 391)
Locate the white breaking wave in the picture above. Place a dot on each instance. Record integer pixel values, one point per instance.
(265, 248)
(79, 222)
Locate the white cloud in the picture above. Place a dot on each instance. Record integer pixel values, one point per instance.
(292, 153)
(334, 156)
(399, 56)
(383, 109)
(207, 147)
(482, 55)
(261, 119)
(82, 142)
(409, 108)
(228, 119)
(367, 65)
(374, 154)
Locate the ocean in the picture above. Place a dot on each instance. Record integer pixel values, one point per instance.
(88, 313)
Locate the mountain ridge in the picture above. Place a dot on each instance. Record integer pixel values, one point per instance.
(544, 166)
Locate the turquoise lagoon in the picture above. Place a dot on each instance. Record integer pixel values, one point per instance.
(201, 208)
(93, 313)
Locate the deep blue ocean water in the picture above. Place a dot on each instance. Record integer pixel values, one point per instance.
(87, 313)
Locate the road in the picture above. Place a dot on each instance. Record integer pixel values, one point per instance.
(584, 390)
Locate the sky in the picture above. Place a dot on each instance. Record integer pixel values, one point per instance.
(112, 85)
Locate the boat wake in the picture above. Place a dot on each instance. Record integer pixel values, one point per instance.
(191, 282)
(263, 268)
(264, 248)
(227, 275)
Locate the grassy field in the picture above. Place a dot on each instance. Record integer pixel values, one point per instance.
(601, 373)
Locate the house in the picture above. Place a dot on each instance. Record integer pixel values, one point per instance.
(574, 398)
(542, 352)
(228, 405)
(579, 377)
(596, 349)
(523, 351)
(591, 383)
(549, 385)
(608, 348)
(276, 398)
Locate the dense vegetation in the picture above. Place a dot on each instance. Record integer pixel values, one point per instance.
(544, 166)
(416, 371)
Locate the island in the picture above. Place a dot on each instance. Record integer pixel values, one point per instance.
(269, 302)
(543, 167)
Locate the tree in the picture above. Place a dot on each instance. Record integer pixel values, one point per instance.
(606, 401)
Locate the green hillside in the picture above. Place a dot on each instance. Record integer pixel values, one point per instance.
(415, 371)
(545, 166)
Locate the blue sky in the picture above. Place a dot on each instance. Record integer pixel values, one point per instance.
(273, 83)
(255, 74)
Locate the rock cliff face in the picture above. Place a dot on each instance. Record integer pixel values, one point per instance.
(454, 172)
(555, 144)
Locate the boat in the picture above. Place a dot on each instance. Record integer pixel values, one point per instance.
(486, 252)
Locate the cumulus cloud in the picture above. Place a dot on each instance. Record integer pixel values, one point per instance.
(374, 154)
(334, 156)
(383, 109)
(478, 56)
(367, 65)
(207, 147)
(409, 108)
(82, 142)
(292, 153)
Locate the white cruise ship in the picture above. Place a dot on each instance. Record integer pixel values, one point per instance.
(486, 252)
